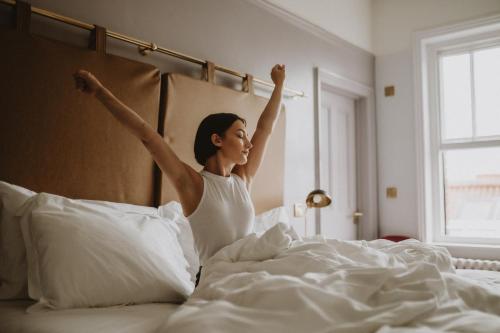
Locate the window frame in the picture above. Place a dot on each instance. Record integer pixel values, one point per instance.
(429, 46)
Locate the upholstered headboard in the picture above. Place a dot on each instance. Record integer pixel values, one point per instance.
(189, 100)
(56, 139)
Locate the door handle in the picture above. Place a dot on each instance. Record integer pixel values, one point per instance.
(356, 216)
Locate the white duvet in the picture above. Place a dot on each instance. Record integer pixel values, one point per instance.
(278, 283)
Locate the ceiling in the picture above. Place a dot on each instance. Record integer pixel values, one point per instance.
(349, 20)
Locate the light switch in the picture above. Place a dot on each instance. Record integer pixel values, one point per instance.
(299, 209)
(392, 192)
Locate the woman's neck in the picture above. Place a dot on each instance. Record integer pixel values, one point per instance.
(219, 166)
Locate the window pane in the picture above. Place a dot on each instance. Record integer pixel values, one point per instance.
(472, 192)
(456, 97)
(487, 86)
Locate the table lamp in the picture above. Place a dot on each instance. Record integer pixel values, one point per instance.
(316, 199)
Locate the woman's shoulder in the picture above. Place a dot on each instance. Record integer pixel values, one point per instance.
(239, 173)
(237, 177)
(242, 179)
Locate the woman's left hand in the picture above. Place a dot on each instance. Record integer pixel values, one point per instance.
(278, 74)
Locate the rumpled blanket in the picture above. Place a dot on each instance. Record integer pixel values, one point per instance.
(281, 283)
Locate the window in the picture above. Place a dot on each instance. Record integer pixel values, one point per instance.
(458, 133)
(469, 94)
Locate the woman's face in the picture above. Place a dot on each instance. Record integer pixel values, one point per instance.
(235, 145)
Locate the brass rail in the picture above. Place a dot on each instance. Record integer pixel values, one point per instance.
(145, 46)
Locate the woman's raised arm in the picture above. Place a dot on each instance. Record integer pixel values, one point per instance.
(179, 173)
(265, 126)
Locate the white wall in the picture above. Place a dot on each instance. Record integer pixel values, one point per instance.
(350, 20)
(394, 22)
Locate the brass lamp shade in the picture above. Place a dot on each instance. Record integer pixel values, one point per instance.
(318, 199)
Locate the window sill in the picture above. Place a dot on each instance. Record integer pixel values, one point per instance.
(472, 251)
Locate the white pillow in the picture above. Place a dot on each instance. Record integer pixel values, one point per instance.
(269, 219)
(173, 211)
(13, 279)
(85, 253)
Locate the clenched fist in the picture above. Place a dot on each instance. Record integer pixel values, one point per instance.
(86, 82)
(278, 74)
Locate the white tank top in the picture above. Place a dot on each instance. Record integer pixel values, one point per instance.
(225, 214)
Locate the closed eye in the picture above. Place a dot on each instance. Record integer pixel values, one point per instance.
(241, 134)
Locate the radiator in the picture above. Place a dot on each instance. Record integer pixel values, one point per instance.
(489, 265)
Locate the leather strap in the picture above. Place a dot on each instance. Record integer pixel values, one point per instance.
(23, 16)
(97, 39)
(248, 84)
(208, 72)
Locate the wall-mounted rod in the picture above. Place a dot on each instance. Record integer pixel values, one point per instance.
(145, 46)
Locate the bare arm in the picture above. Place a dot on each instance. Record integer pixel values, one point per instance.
(265, 127)
(179, 173)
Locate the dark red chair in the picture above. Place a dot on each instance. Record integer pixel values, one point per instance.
(395, 238)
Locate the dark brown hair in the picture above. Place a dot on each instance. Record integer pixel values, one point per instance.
(215, 123)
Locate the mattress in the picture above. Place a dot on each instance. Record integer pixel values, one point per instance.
(491, 278)
(125, 319)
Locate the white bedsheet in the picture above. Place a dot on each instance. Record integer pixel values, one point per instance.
(277, 283)
(142, 318)
(491, 278)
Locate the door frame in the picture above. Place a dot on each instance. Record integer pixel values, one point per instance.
(366, 146)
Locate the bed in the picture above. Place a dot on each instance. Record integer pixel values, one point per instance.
(251, 287)
(92, 241)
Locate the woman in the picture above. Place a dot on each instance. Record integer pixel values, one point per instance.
(216, 200)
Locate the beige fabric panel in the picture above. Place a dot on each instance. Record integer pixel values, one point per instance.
(55, 139)
(189, 101)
